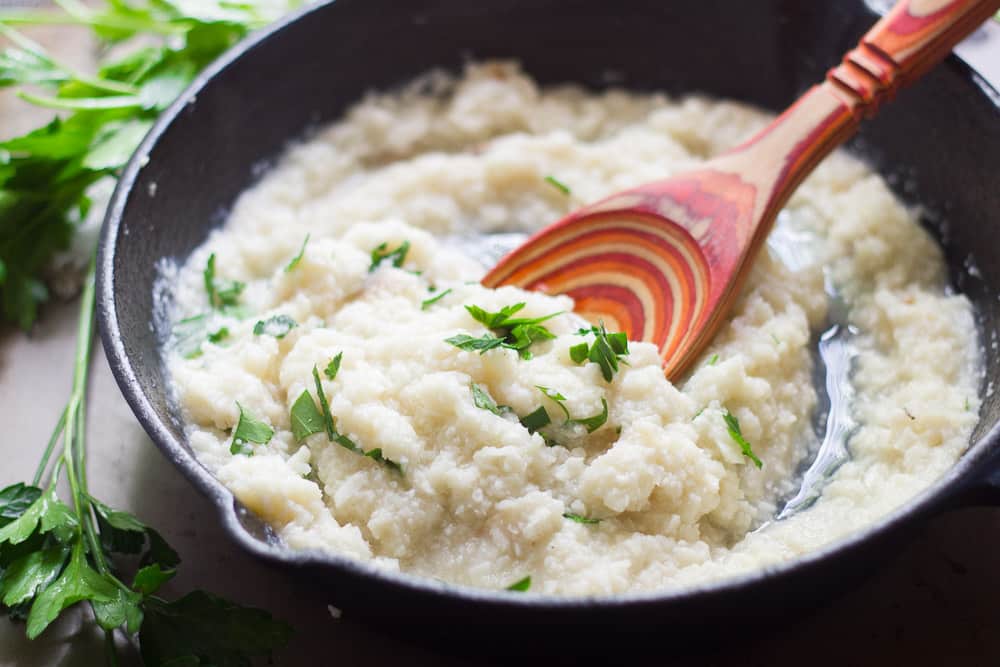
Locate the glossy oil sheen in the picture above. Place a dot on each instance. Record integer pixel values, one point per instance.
(943, 139)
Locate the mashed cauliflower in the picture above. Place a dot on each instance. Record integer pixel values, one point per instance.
(423, 476)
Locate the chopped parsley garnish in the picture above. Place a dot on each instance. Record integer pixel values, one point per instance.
(333, 367)
(580, 519)
(219, 336)
(556, 398)
(733, 425)
(697, 414)
(536, 420)
(595, 422)
(521, 585)
(298, 258)
(513, 333)
(277, 326)
(427, 303)
(712, 360)
(330, 426)
(558, 185)
(305, 417)
(481, 345)
(325, 407)
(221, 295)
(381, 253)
(482, 400)
(249, 430)
(606, 351)
(589, 423)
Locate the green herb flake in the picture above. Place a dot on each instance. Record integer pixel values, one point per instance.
(481, 345)
(595, 422)
(333, 367)
(381, 253)
(330, 426)
(219, 336)
(427, 303)
(712, 360)
(328, 423)
(298, 258)
(521, 585)
(558, 185)
(580, 519)
(733, 426)
(606, 351)
(249, 430)
(578, 353)
(556, 398)
(305, 417)
(507, 331)
(278, 326)
(221, 295)
(482, 400)
(536, 420)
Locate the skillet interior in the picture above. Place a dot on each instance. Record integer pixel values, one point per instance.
(942, 141)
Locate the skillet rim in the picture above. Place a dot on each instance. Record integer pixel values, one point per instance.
(970, 469)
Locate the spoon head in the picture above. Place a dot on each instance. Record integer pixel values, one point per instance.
(656, 262)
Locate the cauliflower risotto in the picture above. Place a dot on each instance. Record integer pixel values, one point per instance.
(340, 369)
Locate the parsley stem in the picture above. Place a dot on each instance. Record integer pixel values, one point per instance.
(109, 648)
(44, 463)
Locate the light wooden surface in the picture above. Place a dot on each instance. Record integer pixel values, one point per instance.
(937, 603)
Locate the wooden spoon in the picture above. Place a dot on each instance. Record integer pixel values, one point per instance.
(663, 262)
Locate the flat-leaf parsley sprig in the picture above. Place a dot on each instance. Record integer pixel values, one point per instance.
(507, 331)
(56, 553)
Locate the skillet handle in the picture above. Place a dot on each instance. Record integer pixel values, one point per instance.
(913, 37)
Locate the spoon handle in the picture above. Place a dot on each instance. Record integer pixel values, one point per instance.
(913, 37)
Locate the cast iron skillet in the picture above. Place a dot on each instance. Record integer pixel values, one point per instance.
(942, 139)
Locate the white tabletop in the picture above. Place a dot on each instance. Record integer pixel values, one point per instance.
(936, 603)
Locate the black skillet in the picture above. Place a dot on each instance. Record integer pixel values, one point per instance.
(942, 139)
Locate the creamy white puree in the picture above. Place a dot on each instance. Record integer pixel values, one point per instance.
(481, 501)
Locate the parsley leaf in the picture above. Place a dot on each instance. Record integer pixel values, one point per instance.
(328, 424)
(221, 295)
(219, 336)
(482, 344)
(712, 360)
(507, 331)
(427, 303)
(536, 420)
(606, 351)
(733, 426)
(521, 585)
(595, 422)
(482, 400)
(305, 417)
(556, 397)
(15, 499)
(28, 575)
(333, 435)
(79, 581)
(249, 430)
(580, 519)
(558, 185)
(277, 326)
(202, 629)
(149, 579)
(333, 367)
(381, 254)
(590, 423)
(298, 258)
(578, 353)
